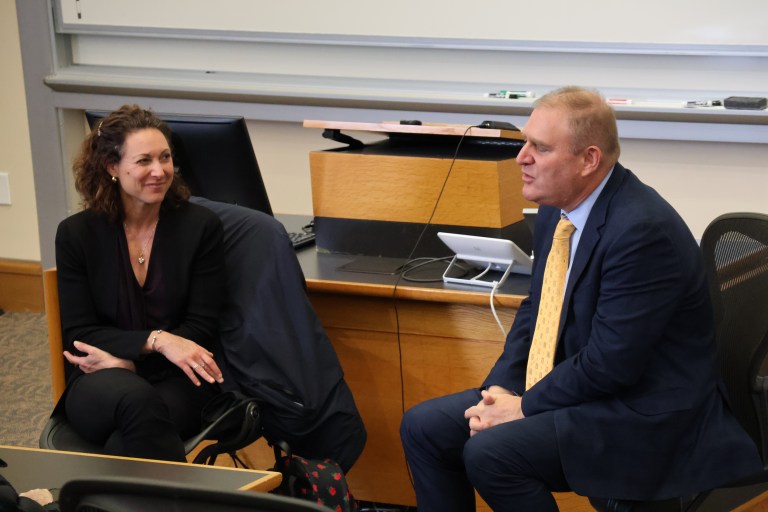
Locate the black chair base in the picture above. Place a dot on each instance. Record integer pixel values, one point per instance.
(234, 422)
(58, 434)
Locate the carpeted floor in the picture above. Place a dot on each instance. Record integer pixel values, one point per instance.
(25, 378)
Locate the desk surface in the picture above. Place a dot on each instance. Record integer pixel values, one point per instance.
(32, 468)
(323, 274)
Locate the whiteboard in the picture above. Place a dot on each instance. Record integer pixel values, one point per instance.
(710, 24)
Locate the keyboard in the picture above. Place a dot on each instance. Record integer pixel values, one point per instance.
(302, 239)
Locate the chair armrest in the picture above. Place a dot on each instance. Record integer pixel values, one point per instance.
(55, 342)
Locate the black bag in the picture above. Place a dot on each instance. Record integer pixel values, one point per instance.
(233, 420)
(320, 481)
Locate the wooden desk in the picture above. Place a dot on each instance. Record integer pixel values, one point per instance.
(448, 341)
(33, 468)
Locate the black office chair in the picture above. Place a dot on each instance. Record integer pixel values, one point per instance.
(133, 494)
(234, 426)
(735, 248)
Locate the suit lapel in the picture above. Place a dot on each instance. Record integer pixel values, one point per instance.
(591, 235)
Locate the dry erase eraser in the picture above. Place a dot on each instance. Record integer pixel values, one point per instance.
(745, 103)
(618, 101)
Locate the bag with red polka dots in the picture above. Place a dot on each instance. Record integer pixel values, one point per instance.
(321, 481)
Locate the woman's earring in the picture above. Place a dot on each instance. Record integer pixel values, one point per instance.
(114, 179)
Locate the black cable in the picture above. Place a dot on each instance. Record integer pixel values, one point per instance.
(400, 276)
(428, 261)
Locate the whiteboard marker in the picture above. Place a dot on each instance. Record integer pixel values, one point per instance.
(510, 95)
(618, 101)
(706, 103)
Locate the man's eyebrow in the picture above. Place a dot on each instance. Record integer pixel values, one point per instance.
(533, 140)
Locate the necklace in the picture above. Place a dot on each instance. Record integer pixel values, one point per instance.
(141, 259)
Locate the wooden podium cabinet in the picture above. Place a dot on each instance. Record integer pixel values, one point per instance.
(375, 199)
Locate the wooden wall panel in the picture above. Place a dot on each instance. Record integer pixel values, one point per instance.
(21, 286)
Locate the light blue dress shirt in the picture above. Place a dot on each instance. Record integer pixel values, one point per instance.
(578, 217)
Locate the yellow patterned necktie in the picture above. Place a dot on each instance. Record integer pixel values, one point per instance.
(541, 357)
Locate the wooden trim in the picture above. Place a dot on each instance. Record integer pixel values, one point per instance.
(412, 293)
(22, 267)
(756, 504)
(21, 286)
(76, 464)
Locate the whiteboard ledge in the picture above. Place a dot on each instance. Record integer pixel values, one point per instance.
(670, 123)
(511, 45)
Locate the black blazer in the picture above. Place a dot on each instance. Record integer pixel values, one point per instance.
(639, 409)
(187, 250)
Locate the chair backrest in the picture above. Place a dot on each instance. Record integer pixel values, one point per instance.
(131, 494)
(55, 344)
(735, 248)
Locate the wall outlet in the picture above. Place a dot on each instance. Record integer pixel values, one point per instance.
(5, 188)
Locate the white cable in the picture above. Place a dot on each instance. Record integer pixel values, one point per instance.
(493, 308)
(481, 274)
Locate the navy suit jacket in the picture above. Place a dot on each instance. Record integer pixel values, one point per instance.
(275, 346)
(639, 410)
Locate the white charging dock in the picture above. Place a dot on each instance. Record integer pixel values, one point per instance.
(486, 255)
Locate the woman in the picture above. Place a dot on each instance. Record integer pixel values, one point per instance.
(140, 273)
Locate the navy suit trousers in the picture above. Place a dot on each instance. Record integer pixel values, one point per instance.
(513, 466)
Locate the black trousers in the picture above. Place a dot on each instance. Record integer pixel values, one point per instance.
(132, 417)
(514, 466)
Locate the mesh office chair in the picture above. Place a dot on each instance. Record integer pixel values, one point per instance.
(233, 427)
(735, 248)
(132, 494)
(736, 255)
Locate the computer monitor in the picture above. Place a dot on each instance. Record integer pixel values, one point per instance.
(215, 157)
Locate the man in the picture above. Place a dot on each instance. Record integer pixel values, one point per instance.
(627, 404)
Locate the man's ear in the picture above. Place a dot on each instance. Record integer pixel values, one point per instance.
(592, 158)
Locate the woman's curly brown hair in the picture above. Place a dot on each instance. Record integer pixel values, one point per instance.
(103, 147)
